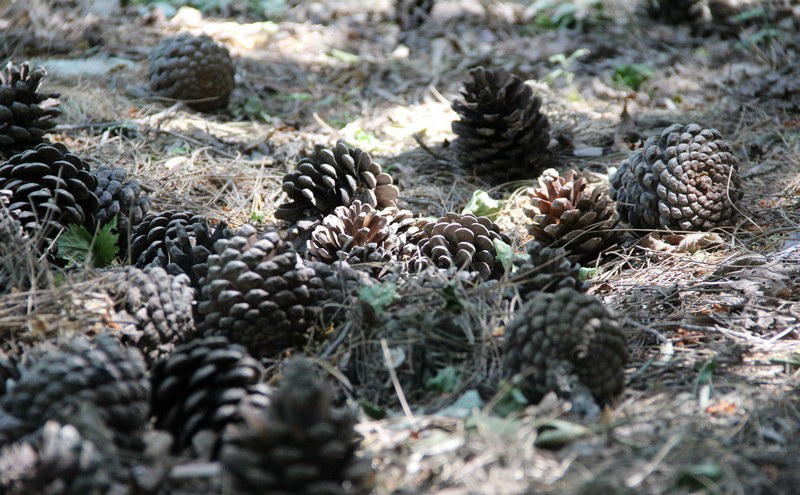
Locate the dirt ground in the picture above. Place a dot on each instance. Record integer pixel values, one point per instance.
(712, 403)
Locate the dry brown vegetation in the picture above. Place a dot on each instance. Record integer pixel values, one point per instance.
(712, 403)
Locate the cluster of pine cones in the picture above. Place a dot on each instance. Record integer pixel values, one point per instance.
(198, 308)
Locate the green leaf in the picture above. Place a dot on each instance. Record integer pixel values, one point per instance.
(749, 14)
(698, 475)
(379, 296)
(504, 254)
(463, 407)
(372, 410)
(512, 399)
(586, 273)
(78, 247)
(557, 432)
(445, 381)
(482, 205)
(706, 372)
(350, 58)
(499, 426)
(633, 75)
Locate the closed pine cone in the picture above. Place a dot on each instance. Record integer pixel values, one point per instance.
(464, 242)
(686, 178)
(564, 341)
(192, 68)
(502, 133)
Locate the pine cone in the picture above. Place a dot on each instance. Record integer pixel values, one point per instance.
(684, 179)
(192, 68)
(677, 11)
(564, 340)
(546, 270)
(20, 265)
(178, 241)
(259, 293)
(299, 444)
(464, 242)
(51, 189)
(199, 387)
(502, 134)
(153, 308)
(411, 14)
(57, 461)
(9, 372)
(331, 178)
(24, 115)
(101, 373)
(119, 197)
(359, 234)
(565, 214)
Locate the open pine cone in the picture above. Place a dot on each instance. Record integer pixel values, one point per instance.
(178, 241)
(192, 68)
(566, 214)
(121, 197)
(51, 189)
(684, 179)
(153, 309)
(331, 178)
(299, 444)
(502, 134)
(359, 234)
(56, 460)
(545, 270)
(464, 242)
(101, 374)
(25, 115)
(199, 388)
(259, 293)
(563, 341)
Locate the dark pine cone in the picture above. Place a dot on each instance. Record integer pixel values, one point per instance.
(259, 293)
(23, 118)
(563, 341)
(677, 11)
(9, 372)
(178, 241)
(565, 214)
(56, 461)
(121, 197)
(331, 178)
(411, 14)
(20, 265)
(153, 308)
(199, 387)
(464, 242)
(360, 234)
(101, 374)
(50, 190)
(546, 270)
(502, 134)
(192, 68)
(299, 444)
(684, 179)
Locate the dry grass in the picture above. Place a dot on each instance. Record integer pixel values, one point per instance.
(712, 404)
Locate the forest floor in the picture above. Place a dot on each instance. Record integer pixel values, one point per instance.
(712, 402)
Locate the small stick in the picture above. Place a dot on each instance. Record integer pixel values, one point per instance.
(397, 388)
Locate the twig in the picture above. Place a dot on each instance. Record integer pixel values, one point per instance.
(387, 356)
(429, 151)
(637, 479)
